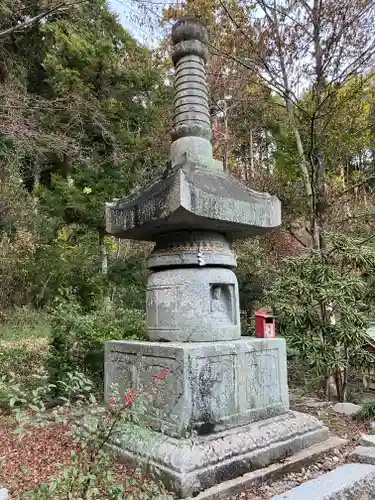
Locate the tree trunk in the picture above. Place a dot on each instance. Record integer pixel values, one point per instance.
(341, 379)
(225, 155)
(317, 130)
(304, 166)
(330, 388)
(104, 270)
(251, 153)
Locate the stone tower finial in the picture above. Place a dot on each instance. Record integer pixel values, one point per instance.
(191, 133)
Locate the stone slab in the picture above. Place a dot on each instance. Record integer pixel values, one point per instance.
(348, 482)
(192, 465)
(294, 463)
(349, 409)
(210, 386)
(364, 455)
(316, 403)
(368, 440)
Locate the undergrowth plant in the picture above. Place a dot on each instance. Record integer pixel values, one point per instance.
(90, 473)
(367, 412)
(78, 337)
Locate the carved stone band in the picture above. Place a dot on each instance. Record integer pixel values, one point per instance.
(189, 47)
(182, 249)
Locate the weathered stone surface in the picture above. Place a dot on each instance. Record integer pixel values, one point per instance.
(347, 408)
(183, 249)
(191, 117)
(192, 465)
(368, 440)
(229, 392)
(315, 403)
(351, 481)
(195, 192)
(193, 305)
(210, 386)
(294, 463)
(364, 455)
(196, 198)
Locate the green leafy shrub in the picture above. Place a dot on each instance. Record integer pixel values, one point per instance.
(319, 299)
(367, 412)
(78, 337)
(20, 361)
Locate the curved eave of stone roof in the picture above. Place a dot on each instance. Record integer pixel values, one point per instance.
(194, 198)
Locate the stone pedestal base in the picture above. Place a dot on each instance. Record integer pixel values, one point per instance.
(187, 466)
(221, 409)
(208, 387)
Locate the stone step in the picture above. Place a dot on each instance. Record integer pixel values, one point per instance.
(364, 455)
(303, 458)
(349, 409)
(349, 482)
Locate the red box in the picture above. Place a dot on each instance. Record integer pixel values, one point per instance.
(265, 327)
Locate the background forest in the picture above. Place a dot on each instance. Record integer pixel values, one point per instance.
(85, 118)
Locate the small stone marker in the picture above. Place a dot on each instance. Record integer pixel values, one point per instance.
(349, 482)
(368, 440)
(364, 455)
(349, 409)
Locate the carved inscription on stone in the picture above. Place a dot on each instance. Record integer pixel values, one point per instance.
(151, 209)
(214, 388)
(162, 307)
(147, 209)
(122, 219)
(230, 209)
(263, 384)
(122, 370)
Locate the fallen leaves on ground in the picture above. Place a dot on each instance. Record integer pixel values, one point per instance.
(340, 425)
(30, 461)
(26, 463)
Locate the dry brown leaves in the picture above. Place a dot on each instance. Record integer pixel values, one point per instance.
(339, 425)
(26, 463)
(30, 461)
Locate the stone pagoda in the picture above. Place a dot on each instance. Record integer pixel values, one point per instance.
(223, 407)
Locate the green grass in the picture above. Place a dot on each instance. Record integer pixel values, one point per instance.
(24, 339)
(20, 333)
(18, 325)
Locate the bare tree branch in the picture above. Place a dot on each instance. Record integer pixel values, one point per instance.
(33, 20)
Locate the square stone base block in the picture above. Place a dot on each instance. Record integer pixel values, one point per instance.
(209, 387)
(188, 466)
